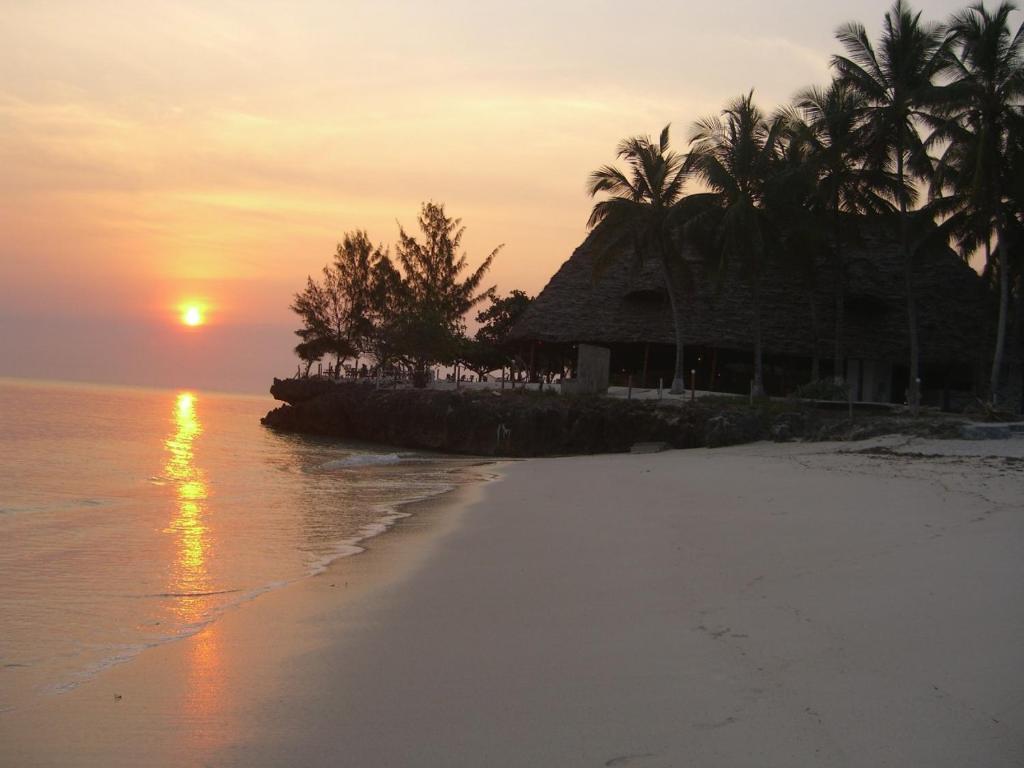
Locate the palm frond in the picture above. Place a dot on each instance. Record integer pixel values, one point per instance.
(610, 179)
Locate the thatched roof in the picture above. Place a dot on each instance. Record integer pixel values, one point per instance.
(628, 304)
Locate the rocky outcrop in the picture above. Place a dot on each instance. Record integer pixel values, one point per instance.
(517, 423)
(733, 428)
(485, 423)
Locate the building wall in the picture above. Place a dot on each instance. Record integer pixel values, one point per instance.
(870, 380)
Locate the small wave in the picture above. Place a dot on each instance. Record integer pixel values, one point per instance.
(354, 545)
(166, 595)
(58, 505)
(193, 594)
(119, 654)
(362, 460)
(388, 516)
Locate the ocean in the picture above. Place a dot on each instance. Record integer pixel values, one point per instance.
(132, 517)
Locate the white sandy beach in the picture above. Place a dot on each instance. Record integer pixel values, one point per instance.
(765, 605)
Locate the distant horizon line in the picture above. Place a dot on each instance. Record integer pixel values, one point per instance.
(15, 380)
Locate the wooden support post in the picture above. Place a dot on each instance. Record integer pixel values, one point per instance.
(693, 384)
(647, 357)
(629, 388)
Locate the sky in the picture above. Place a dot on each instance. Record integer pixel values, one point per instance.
(164, 152)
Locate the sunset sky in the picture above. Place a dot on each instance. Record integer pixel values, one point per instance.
(155, 153)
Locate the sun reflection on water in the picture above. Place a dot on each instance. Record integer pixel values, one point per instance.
(191, 583)
(190, 577)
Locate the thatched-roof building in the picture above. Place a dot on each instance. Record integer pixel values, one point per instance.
(626, 309)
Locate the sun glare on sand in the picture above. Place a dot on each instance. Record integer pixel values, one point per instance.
(192, 315)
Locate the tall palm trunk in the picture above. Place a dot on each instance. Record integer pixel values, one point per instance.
(913, 393)
(1017, 337)
(812, 303)
(1002, 264)
(838, 367)
(758, 390)
(673, 283)
(915, 352)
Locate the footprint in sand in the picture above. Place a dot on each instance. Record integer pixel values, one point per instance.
(627, 759)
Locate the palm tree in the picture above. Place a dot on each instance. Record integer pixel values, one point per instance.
(897, 82)
(640, 211)
(735, 156)
(789, 200)
(827, 127)
(1015, 163)
(985, 98)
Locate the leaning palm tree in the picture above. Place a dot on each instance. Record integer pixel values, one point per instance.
(735, 156)
(897, 82)
(985, 98)
(827, 127)
(639, 212)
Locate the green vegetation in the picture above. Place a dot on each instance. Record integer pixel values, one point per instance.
(736, 156)
(406, 313)
(897, 80)
(825, 133)
(339, 311)
(931, 104)
(936, 107)
(981, 124)
(490, 348)
(642, 206)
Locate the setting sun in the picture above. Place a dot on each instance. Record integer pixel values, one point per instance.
(192, 315)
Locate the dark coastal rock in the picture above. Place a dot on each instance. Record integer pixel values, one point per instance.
(517, 423)
(789, 426)
(974, 431)
(488, 423)
(933, 426)
(300, 390)
(733, 428)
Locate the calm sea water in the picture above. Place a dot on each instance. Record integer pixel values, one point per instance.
(130, 518)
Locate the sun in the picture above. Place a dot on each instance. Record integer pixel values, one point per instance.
(192, 315)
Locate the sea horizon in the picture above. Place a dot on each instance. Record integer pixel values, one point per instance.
(14, 379)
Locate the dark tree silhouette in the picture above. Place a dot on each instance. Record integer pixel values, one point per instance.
(975, 123)
(735, 156)
(642, 206)
(897, 83)
(826, 129)
(437, 298)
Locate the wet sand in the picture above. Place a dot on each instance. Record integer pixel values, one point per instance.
(762, 605)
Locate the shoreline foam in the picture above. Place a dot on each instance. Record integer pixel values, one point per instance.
(387, 516)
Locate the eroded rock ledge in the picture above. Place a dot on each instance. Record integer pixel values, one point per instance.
(492, 423)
